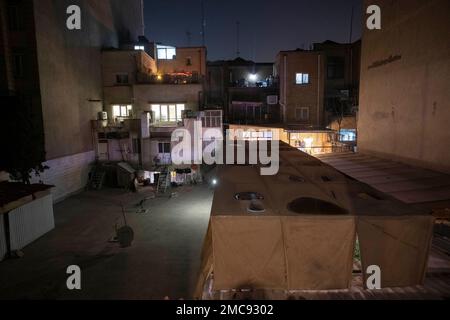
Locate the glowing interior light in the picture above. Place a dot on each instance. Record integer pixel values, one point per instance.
(253, 77)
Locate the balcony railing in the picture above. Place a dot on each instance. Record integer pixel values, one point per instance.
(174, 78)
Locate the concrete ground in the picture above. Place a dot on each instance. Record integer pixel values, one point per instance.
(163, 261)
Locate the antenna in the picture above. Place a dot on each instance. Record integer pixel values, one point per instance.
(351, 25)
(188, 37)
(203, 24)
(238, 26)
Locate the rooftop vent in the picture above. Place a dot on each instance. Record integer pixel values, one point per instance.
(248, 196)
(294, 178)
(256, 207)
(315, 206)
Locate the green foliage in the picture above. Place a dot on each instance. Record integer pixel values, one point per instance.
(22, 138)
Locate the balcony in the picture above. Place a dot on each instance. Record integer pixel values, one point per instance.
(179, 78)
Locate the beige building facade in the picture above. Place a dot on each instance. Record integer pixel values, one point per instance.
(301, 76)
(405, 75)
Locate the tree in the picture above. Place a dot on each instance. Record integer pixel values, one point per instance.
(22, 138)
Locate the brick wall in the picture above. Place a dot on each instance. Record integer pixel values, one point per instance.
(68, 174)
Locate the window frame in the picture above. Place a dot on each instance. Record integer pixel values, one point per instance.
(119, 114)
(122, 74)
(14, 18)
(166, 49)
(300, 110)
(163, 146)
(157, 108)
(302, 77)
(18, 60)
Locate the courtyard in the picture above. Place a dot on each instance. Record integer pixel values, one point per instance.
(163, 261)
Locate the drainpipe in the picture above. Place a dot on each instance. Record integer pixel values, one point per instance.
(318, 88)
(142, 18)
(284, 88)
(7, 49)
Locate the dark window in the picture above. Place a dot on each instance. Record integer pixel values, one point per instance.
(122, 78)
(14, 19)
(18, 65)
(189, 61)
(136, 146)
(336, 68)
(164, 147)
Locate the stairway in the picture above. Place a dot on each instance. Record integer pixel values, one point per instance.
(163, 182)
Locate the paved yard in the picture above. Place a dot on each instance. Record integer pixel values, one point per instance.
(163, 260)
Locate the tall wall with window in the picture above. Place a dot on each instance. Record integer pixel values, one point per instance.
(301, 75)
(181, 60)
(405, 75)
(342, 76)
(61, 70)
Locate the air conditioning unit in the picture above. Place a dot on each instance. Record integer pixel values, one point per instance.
(102, 116)
(272, 100)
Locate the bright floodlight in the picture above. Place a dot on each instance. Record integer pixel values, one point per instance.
(253, 77)
(214, 182)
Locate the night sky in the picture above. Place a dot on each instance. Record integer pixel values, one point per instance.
(266, 26)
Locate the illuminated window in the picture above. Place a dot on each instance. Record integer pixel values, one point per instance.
(164, 113)
(139, 48)
(122, 111)
(166, 52)
(180, 109)
(168, 113)
(302, 78)
(156, 108)
(172, 113)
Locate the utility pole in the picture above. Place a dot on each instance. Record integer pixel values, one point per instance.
(238, 25)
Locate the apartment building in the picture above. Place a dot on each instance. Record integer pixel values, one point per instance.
(301, 75)
(245, 90)
(150, 90)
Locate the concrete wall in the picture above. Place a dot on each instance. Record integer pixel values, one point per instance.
(70, 66)
(146, 94)
(405, 76)
(71, 80)
(68, 174)
(197, 57)
(311, 95)
(125, 62)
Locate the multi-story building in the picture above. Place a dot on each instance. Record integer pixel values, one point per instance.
(245, 90)
(342, 61)
(58, 71)
(149, 92)
(405, 74)
(301, 75)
